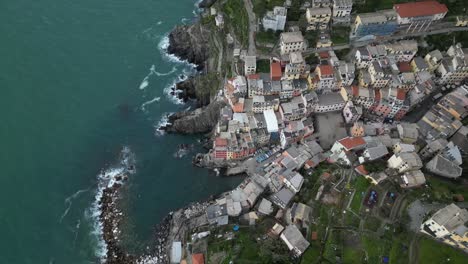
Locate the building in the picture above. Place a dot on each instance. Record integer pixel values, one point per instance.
(265, 207)
(342, 11)
(282, 198)
(444, 167)
(276, 19)
(219, 20)
(460, 139)
(342, 150)
(403, 162)
(408, 132)
(402, 148)
(176, 252)
(351, 113)
(295, 241)
(412, 179)
(323, 79)
(453, 67)
(291, 42)
(275, 71)
(250, 66)
(318, 18)
(198, 258)
(329, 102)
(300, 214)
(296, 66)
(448, 226)
(419, 16)
(381, 23)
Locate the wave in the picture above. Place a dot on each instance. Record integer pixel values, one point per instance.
(144, 83)
(164, 121)
(156, 99)
(159, 22)
(173, 94)
(69, 202)
(164, 45)
(174, 69)
(107, 179)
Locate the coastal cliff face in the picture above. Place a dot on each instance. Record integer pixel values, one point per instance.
(206, 3)
(190, 42)
(201, 120)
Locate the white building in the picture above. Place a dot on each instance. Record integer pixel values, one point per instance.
(293, 238)
(250, 66)
(404, 162)
(291, 42)
(342, 11)
(276, 19)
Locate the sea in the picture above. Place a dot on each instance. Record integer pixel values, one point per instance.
(80, 81)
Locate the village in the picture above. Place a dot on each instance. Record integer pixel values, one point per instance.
(353, 157)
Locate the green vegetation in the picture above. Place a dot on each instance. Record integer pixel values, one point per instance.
(399, 254)
(342, 53)
(376, 248)
(340, 35)
(375, 166)
(351, 220)
(238, 19)
(443, 189)
(352, 255)
(312, 254)
(263, 66)
(312, 59)
(207, 86)
(431, 251)
(361, 184)
(443, 41)
(267, 37)
(333, 246)
(260, 7)
(311, 37)
(372, 223)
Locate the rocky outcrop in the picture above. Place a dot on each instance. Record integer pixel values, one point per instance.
(206, 3)
(190, 42)
(201, 120)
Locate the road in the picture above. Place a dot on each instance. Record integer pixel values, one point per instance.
(440, 28)
(252, 27)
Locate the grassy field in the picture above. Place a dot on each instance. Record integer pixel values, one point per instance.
(263, 66)
(431, 251)
(267, 37)
(260, 7)
(238, 19)
(376, 248)
(444, 189)
(360, 185)
(340, 35)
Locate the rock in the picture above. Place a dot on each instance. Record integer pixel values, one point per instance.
(201, 120)
(190, 42)
(187, 88)
(206, 3)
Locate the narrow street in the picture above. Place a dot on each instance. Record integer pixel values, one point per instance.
(253, 27)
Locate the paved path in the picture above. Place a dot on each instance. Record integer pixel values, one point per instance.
(252, 27)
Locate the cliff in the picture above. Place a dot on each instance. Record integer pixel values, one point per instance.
(206, 3)
(201, 120)
(191, 43)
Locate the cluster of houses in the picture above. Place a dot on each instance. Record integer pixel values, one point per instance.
(319, 13)
(272, 189)
(408, 17)
(448, 226)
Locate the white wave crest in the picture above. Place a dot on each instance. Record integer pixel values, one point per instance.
(69, 202)
(106, 179)
(164, 121)
(144, 83)
(156, 99)
(174, 69)
(173, 94)
(163, 45)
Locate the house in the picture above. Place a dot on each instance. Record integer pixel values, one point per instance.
(323, 79)
(276, 230)
(342, 149)
(404, 162)
(412, 179)
(342, 11)
(276, 19)
(453, 68)
(460, 139)
(352, 113)
(376, 177)
(176, 252)
(419, 15)
(402, 147)
(295, 241)
(373, 152)
(250, 66)
(296, 66)
(282, 198)
(271, 121)
(300, 214)
(198, 258)
(444, 167)
(291, 42)
(219, 20)
(293, 181)
(419, 64)
(329, 102)
(318, 18)
(408, 132)
(265, 207)
(217, 214)
(275, 71)
(381, 23)
(448, 226)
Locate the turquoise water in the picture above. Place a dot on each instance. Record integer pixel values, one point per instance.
(70, 74)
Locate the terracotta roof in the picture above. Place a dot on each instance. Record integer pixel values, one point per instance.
(361, 170)
(324, 55)
(253, 76)
(310, 163)
(275, 70)
(415, 9)
(355, 89)
(401, 94)
(220, 141)
(326, 69)
(314, 236)
(352, 142)
(198, 259)
(404, 66)
(377, 95)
